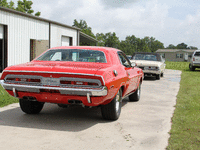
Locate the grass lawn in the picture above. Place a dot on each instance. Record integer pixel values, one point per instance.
(185, 131)
(5, 98)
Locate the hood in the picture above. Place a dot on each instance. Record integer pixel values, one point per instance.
(147, 63)
(65, 67)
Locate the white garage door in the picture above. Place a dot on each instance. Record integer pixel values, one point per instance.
(65, 41)
(1, 31)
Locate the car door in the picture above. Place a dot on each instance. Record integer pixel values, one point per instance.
(131, 72)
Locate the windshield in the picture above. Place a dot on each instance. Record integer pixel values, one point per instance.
(75, 55)
(149, 57)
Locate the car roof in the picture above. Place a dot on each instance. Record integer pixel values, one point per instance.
(145, 53)
(87, 48)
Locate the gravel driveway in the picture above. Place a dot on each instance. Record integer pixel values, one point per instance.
(142, 125)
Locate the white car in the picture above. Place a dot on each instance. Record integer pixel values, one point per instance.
(152, 64)
(195, 61)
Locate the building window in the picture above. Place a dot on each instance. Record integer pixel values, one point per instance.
(179, 55)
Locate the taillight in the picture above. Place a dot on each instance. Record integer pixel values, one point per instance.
(23, 79)
(33, 80)
(17, 79)
(78, 83)
(10, 79)
(193, 59)
(65, 82)
(92, 83)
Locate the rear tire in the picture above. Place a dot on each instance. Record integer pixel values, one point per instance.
(158, 76)
(136, 95)
(30, 107)
(112, 110)
(162, 74)
(191, 67)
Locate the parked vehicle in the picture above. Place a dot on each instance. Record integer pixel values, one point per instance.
(195, 60)
(152, 64)
(129, 56)
(87, 76)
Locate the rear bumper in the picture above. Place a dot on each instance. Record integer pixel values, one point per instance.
(196, 64)
(152, 72)
(63, 91)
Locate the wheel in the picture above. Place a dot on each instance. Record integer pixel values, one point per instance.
(158, 76)
(30, 107)
(162, 74)
(191, 67)
(112, 110)
(136, 95)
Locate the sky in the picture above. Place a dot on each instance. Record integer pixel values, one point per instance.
(169, 21)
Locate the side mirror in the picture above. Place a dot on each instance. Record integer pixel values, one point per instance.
(133, 64)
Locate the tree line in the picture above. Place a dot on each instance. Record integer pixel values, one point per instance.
(130, 44)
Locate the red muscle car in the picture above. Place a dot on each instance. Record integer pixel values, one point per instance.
(81, 75)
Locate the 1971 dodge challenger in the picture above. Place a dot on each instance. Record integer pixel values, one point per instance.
(81, 75)
(152, 64)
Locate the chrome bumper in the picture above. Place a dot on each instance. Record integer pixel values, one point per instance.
(152, 71)
(196, 64)
(67, 91)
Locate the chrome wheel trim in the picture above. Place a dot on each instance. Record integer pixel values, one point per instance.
(117, 102)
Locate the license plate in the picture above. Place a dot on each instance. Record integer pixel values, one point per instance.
(51, 81)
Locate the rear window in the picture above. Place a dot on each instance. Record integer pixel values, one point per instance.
(197, 54)
(149, 57)
(75, 55)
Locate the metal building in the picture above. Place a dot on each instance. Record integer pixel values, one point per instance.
(23, 36)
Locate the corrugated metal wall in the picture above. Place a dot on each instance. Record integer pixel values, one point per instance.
(22, 29)
(58, 31)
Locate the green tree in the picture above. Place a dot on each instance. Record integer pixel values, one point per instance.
(182, 46)
(4, 3)
(84, 27)
(143, 47)
(23, 6)
(111, 40)
(101, 39)
(124, 47)
(26, 7)
(171, 46)
(192, 47)
(153, 44)
(131, 44)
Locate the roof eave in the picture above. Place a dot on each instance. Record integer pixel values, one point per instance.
(37, 18)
